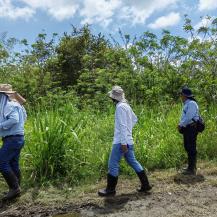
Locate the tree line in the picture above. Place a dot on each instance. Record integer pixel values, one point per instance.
(84, 66)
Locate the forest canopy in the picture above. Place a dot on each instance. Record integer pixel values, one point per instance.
(85, 66)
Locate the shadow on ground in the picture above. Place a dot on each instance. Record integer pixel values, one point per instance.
(188, 179)
(113, 204)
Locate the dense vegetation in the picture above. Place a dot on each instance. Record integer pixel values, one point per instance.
(75, 145)
(66, 78)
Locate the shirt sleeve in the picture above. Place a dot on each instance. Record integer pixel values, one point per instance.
(188, 114)
(11, 119)
(122, 120)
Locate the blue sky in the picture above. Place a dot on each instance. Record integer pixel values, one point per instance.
(27, 18)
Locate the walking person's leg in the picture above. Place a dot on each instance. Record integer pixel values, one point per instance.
(131, 160)
(113, 171)
(9, 151)
(14, 162)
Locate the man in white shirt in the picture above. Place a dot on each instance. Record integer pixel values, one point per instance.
(125, 119)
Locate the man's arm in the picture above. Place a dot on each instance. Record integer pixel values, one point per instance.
(12, 118)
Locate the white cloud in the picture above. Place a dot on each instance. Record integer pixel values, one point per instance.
(7, 10)
(100, 11)
(207, 5)
(165, 21)
(138, 11)
(59, 9)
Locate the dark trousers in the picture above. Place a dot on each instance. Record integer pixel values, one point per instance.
(10, 154)
(190, 139)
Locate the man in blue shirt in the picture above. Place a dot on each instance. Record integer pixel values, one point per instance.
(12, 118)
(125, 119)
(187, 127)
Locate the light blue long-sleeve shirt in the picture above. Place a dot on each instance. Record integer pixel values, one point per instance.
(14, 119)
(190, 111)
(125, 119)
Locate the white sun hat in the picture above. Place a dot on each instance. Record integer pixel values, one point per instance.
(117, 93)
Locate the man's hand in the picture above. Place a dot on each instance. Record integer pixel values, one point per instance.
(124, 148)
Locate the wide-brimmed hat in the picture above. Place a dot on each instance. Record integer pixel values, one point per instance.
(186, 92)
(117, 93)
(13, 95)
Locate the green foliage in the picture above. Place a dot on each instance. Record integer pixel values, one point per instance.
(75, 48)
(149, 68)
(49, 138)
(63, 143)
(74, 145)
(65, 81)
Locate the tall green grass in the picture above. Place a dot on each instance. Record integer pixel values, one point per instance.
(74, 145)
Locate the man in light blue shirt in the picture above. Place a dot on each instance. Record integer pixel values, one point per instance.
(12, 118)
(187, 127)
(125, 119)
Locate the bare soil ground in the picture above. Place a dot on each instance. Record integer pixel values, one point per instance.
(173, 195)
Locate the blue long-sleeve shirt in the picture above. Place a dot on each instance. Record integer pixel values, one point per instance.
(13, 123)
(125, 119)
(190, 111)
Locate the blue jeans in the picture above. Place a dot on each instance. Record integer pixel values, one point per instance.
(10, 154)
(115, 157)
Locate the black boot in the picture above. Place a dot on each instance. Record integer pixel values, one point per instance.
(111, 185)
(191, 169)
(145, 186)
(14, 188)
(18, 175)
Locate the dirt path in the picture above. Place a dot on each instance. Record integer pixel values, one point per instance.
(172, 196)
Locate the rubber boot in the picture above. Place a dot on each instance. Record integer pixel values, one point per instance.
(14, 188)
(193, 163)
(18, 175)
(111, 185)
(145, 186)
(191, 169)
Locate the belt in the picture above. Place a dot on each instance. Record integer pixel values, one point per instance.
(17, 135)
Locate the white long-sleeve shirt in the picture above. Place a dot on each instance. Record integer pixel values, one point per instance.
(125, 119)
